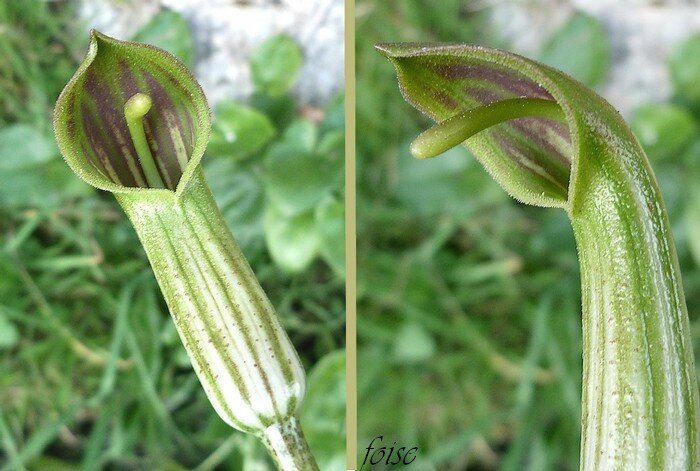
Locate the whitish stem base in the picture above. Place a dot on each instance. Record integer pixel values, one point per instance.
(287, 445)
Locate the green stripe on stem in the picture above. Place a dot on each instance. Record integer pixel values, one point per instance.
(453, 131)
(135, 109)
(238, 348)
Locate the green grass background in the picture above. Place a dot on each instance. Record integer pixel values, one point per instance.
(92, 373)
(469, 325)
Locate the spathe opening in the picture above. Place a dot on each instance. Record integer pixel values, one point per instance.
(131, 117)
(520, 133)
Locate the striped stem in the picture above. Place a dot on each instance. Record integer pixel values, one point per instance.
(240, 352)
(639, 388)
(287, 446)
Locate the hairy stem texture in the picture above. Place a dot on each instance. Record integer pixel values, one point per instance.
(287, 446)
(639, 388)
(240, 352)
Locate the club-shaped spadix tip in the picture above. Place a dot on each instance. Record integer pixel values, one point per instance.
(137, 106)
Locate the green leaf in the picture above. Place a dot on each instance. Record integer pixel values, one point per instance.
(663, 129)
(241, 197)
(413, 344)
(330, 222)
(293, 241)
(685, 69)
(301, 133)
(9, 335)
(275, 65)
(334, 115)
(280, 109)
(332, 144)
(22, 146)
(296, 180)
(447, 185)
(692, 224)
(168, 30)
(41, 186)
(323, 412)
(239, 131)
(580, 48)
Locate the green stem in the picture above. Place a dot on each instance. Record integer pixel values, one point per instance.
(246, 363)
(287, 446)
(135, 109)
(640, 398)
(639, 389)
(453, 131)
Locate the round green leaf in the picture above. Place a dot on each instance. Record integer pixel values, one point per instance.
(296, 180)
(44, 186)
(580, 48)
(23, 146)
(302, 133)
(330, 220)
(685, 69)
(293, 241)
(323, 411)
(446, 185)
(692, 224)
(663, 129)
(168, 30)
(238, 131)
(275, 65)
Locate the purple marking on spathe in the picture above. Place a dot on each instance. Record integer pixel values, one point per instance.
(515, 83)
(484, 96)
(522, 154)
(533, 128)
(127, 80)
(165, 154)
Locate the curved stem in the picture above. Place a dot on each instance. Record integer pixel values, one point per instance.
(457, 129)
(287, 446)
(135, 109)
(639, 389)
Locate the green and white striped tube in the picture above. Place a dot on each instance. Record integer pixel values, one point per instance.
(240, 352)
(134, 122)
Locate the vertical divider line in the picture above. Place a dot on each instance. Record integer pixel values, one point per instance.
(350, 241)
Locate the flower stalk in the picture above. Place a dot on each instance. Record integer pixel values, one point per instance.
(640, 397)
(134, 122)
(135, 109)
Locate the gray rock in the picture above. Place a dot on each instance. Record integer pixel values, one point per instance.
(226, 32)
(642, 34)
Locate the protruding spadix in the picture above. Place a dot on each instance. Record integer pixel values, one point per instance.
(460, 127)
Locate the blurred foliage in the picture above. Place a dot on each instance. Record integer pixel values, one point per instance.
(685, 70)
(275, 65)
(92, 372)
(469, 326)
(580, 48)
